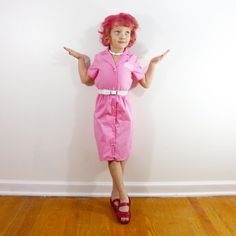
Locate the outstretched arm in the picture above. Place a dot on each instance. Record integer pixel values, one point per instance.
(146, 82)
(83, 64)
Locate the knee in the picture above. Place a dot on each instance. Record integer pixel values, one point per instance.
(112, 162)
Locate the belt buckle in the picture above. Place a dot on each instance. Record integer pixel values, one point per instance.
(114, 92)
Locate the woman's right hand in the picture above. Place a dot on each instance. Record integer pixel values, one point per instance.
(73, 53)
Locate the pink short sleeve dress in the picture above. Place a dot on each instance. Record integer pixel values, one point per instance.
(113, 128)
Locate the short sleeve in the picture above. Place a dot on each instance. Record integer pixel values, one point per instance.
(137, 72)
(94, 68)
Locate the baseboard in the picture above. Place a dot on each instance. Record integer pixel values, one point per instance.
(103, 189)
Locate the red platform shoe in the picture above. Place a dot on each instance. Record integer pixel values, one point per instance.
(126, 214)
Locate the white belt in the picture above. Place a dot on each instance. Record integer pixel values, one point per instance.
(112, 92)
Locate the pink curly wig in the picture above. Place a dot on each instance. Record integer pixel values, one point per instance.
(121, 19)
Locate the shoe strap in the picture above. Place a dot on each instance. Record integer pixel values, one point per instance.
(115, 199)
(123, 204)
(122, 214)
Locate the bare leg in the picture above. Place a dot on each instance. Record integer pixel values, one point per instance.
(115, 192)
(117, 176)
(123, 167)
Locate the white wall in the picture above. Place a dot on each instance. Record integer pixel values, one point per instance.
(185, 129)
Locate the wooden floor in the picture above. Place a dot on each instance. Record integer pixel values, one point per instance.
(93, 216)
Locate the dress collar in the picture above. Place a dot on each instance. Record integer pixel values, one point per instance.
(108, 57)
(126, 52)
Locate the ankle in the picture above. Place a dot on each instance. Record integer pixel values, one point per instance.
(115, 193)
(124, 197)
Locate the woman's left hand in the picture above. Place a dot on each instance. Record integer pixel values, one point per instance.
(159, 58)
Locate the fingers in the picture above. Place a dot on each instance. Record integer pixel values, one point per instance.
(67, 49)
(162, 55)
(72, 52)
(159, 58)
(167, 51)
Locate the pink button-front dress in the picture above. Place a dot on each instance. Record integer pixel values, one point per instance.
(113, 115)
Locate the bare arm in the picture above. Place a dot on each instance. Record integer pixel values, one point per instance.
(83, 64)
(146, 81)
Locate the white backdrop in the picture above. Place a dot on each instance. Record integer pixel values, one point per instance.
(185, 129)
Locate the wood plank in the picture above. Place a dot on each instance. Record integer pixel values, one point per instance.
(221, 212)
(9, 208)
(26, 217)
(174, 216)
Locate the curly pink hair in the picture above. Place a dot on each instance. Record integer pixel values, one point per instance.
(121, 19)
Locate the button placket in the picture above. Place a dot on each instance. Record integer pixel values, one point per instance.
(114, 113)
